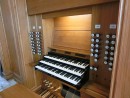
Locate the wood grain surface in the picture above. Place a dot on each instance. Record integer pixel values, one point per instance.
(120, 87)
(43, 6)
(18, 91)
(73, 32)
(104, 15)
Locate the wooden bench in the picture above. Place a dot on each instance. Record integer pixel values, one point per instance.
(18, 91)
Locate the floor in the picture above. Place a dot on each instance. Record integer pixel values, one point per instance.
(6, 84)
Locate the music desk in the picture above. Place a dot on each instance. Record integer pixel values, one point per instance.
(18, 91)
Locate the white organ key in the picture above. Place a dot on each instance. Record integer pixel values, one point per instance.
(73, 81)
(61, 68)
(67, 62)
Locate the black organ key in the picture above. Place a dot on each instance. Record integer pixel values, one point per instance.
(67, 68)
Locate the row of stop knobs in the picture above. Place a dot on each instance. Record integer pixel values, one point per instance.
(95, 46)
(109, 49)
(36, 42)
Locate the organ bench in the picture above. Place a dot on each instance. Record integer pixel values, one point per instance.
(18, 91)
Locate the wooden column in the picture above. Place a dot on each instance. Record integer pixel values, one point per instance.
(120, 86)
(4, 51)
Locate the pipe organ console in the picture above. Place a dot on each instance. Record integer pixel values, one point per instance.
(77, 47)
(78, 52)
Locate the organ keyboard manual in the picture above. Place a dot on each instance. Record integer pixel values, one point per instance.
(71, 70)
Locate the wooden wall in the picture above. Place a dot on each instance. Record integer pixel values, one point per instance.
(48, 25)
(120, 87)
(73, 32)
(34, 22)
(44, 6)
(104, 15)
(4, 50)
(16, 24)
(9, 30)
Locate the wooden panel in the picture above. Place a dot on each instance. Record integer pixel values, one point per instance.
(34, 81)
(72, 51)
(38, 78)
(99, 13)
(16, 26)
(22, 19)
(84, 95)
(38, 75)
(39, 23)
(34, 23)
(48, 29)
(42, 6)
(120, 87)
(30, 77)
(77, 22)
(78, 40)
(4, 52)
(68, 12)
(73, 32)
(15, 32)
(40, 29)
(92, 94)
(93, 87)
(33, 28)
(7, 19)
(22, 38)
(18, 90)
